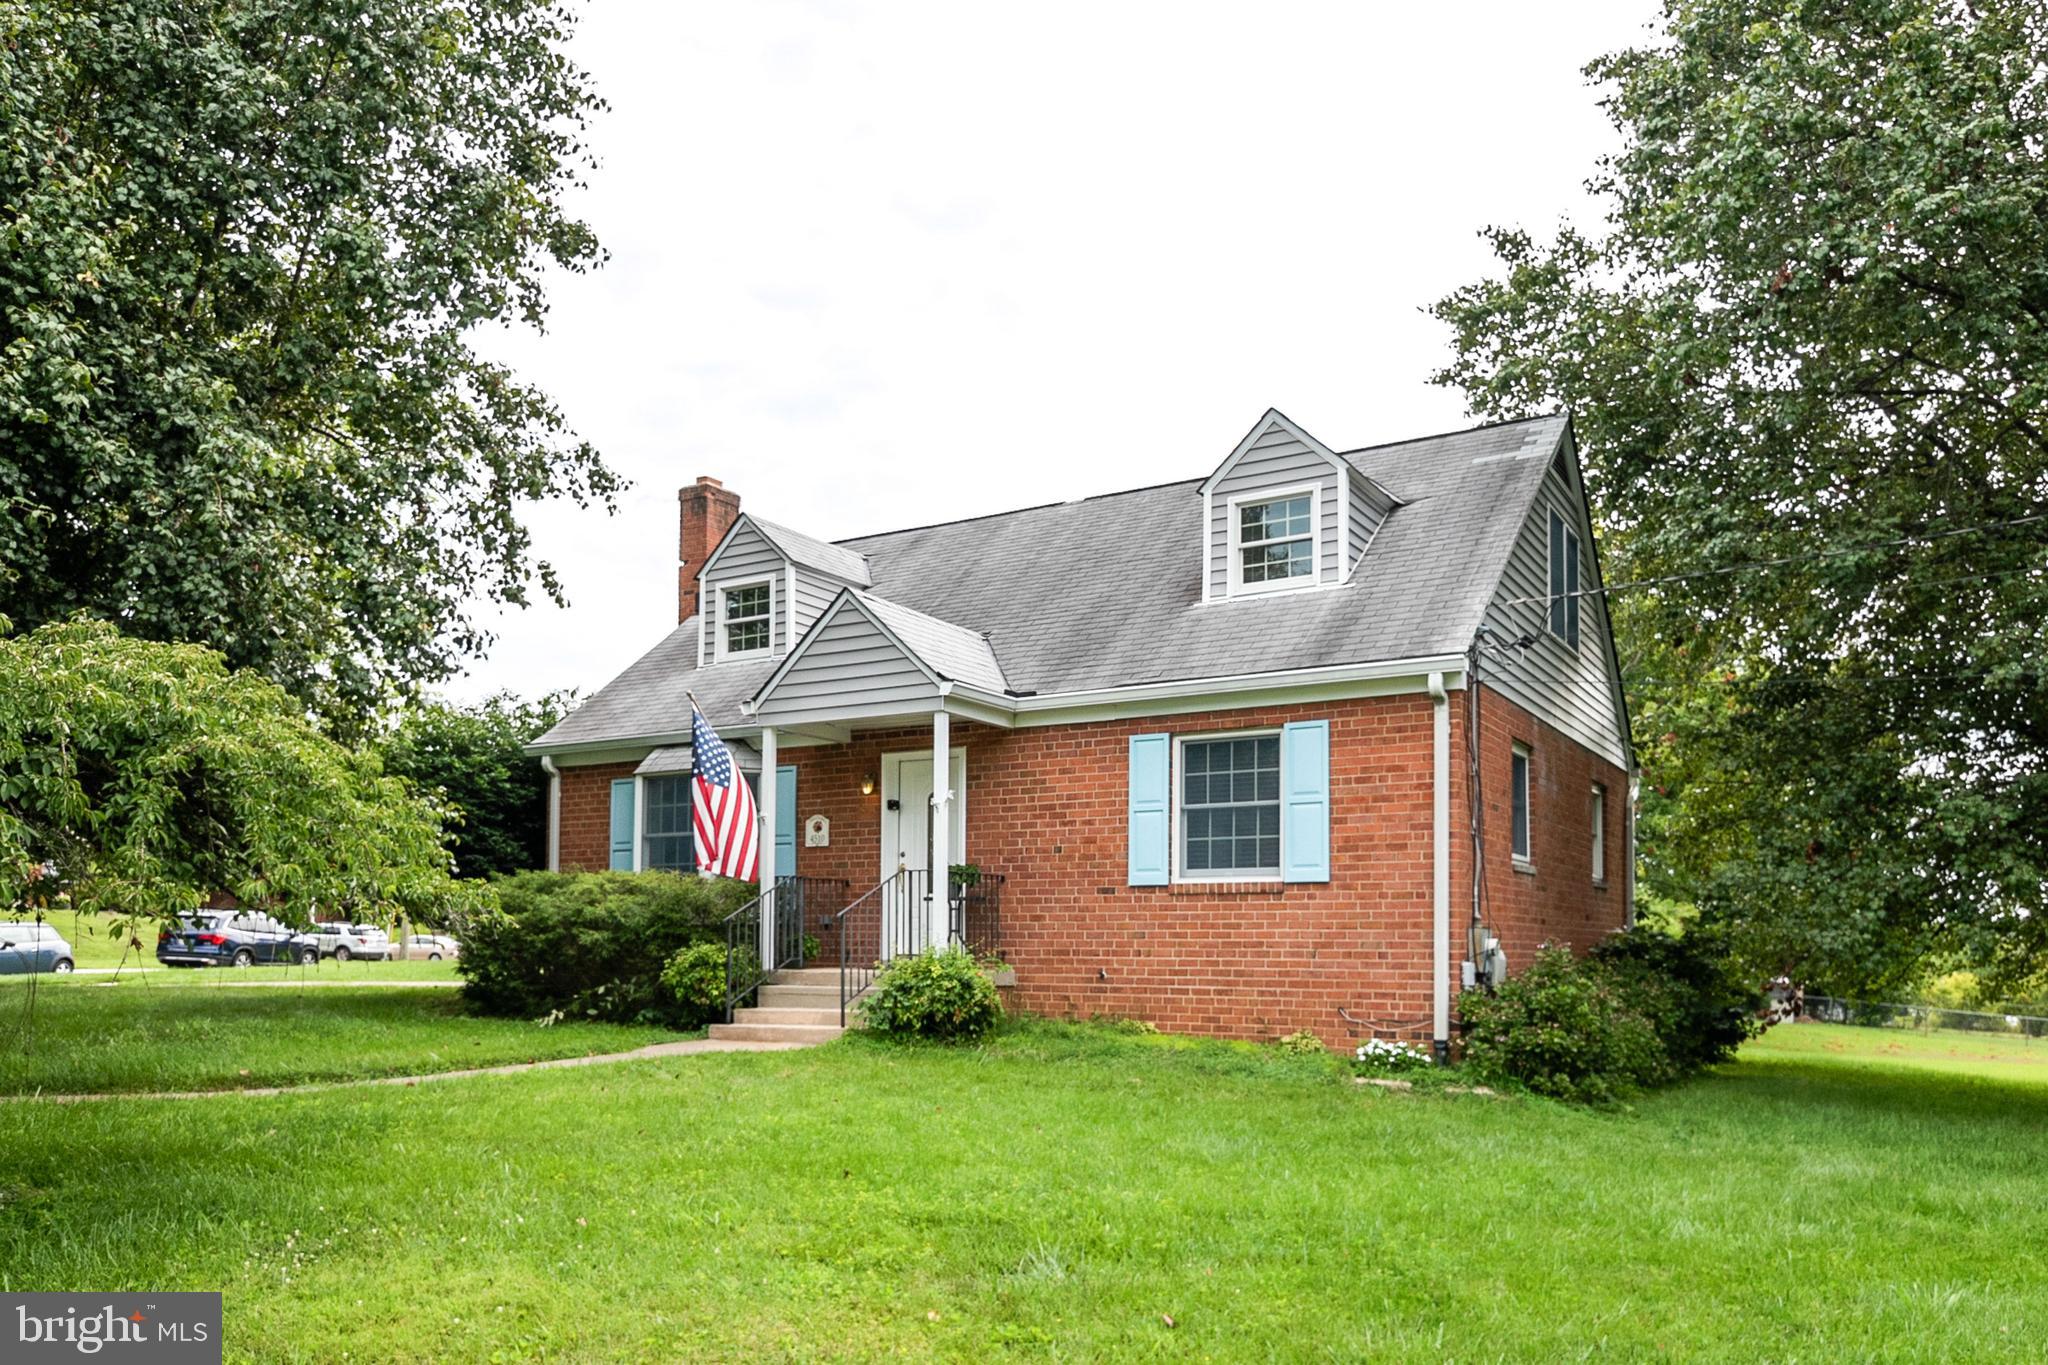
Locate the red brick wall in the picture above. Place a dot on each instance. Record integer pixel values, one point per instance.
(1555, 898)
(587, 815)
(1046, 807)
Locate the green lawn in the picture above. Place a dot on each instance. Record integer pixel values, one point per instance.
(1061, 1193)
(170, 1031)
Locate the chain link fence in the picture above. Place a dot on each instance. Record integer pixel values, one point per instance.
(1882, 1014)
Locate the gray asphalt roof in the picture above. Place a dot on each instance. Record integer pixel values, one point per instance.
(953, 652)
(1107, 591)
(811, 553)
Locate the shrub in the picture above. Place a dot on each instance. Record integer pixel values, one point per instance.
(1301, 1041)
(591, 945)
(1390, 1057)
(932, 995)
(1562, 1029)
(695, 979)
(1687, 987)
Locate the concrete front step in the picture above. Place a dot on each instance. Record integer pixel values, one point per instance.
(775, 1033)
(775, 1014)
(800, 997)
(806, 976)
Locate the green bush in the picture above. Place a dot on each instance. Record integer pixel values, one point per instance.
(1562, 1029)
(932, 995)
(695, 979)
(1643, 1008)
(592, 945)
(1687, 987)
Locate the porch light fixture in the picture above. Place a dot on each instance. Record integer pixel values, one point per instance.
(867, 784)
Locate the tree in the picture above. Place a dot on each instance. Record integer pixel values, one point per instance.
(473, 757)
(244, 247)
(146, 777)
(1811, 330)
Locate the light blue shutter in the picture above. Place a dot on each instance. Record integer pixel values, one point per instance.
(622, 825)
(1305, 819)
(1150, 788)
(785, 822)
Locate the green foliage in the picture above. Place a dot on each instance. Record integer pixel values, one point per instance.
(1564, 1030)
(1642, 1009)
(695, 978)
(1813, 320)
(1300, 1041)
(1688, 987)
(592, 945)
(245, 247)
(151, 776)
(472, 756)
(943, 995)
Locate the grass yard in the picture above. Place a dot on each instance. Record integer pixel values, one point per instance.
(1062, 1193)
(207, 1030)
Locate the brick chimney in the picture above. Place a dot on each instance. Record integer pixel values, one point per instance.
(708, 512)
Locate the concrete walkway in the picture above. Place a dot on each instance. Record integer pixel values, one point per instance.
(688, 1048)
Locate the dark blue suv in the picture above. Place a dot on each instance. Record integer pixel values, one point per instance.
(231, 938)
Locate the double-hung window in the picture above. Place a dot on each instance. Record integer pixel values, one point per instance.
(746, 618)
(1275, 542)
(1599, 833)
(1230, 807)
(1564, 581)
(669, 843)
(1518, 795)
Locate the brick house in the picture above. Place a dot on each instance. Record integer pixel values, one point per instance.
(1307, 743)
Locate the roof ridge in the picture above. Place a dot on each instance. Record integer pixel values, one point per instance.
(1460, 431)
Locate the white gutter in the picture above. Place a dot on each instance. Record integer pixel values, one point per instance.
(547, 765)
(1440, 857)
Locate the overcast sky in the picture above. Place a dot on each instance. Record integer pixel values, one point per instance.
(878, 266)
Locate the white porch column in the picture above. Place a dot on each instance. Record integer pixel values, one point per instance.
(942, 828)
(765, 846)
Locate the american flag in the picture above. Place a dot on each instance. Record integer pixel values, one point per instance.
(723, 807)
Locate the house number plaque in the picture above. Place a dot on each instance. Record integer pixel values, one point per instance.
(817, 832)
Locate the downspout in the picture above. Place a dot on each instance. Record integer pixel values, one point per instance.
(547, 765)
(1440, 855)
(1628, 869)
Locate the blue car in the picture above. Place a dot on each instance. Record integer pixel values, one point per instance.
(231, 938)
(28, 948)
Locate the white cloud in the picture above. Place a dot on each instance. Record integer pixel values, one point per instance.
(878, 266)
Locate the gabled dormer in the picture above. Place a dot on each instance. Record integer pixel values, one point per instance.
(764, 585)
(1285, 513)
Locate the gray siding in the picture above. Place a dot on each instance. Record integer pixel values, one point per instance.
(747, 557)
(1572, 690)
(1369, 507)
(1277, 459)
(848, 664)
(814, 593)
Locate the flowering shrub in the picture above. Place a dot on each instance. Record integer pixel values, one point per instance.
(1390, 1057)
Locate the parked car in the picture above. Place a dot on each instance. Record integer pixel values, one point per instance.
(228, 938)
(432, 947)
(26, 948)
(344, 941)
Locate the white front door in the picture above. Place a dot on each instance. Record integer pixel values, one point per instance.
(907, 843)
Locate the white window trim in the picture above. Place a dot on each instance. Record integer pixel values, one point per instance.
(1599, 813)
(1523, 859)
(1232, 530)
(1177, 872)
(718, 627)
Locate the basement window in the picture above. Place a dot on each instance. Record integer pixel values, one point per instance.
(746, 618)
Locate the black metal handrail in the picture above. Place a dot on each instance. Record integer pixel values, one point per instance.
(975, 921)
(890, 918)
(787, 901)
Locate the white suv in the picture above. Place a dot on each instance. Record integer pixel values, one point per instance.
(344, 941)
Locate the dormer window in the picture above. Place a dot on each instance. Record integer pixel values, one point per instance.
(1273, 541)
(746, 618)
